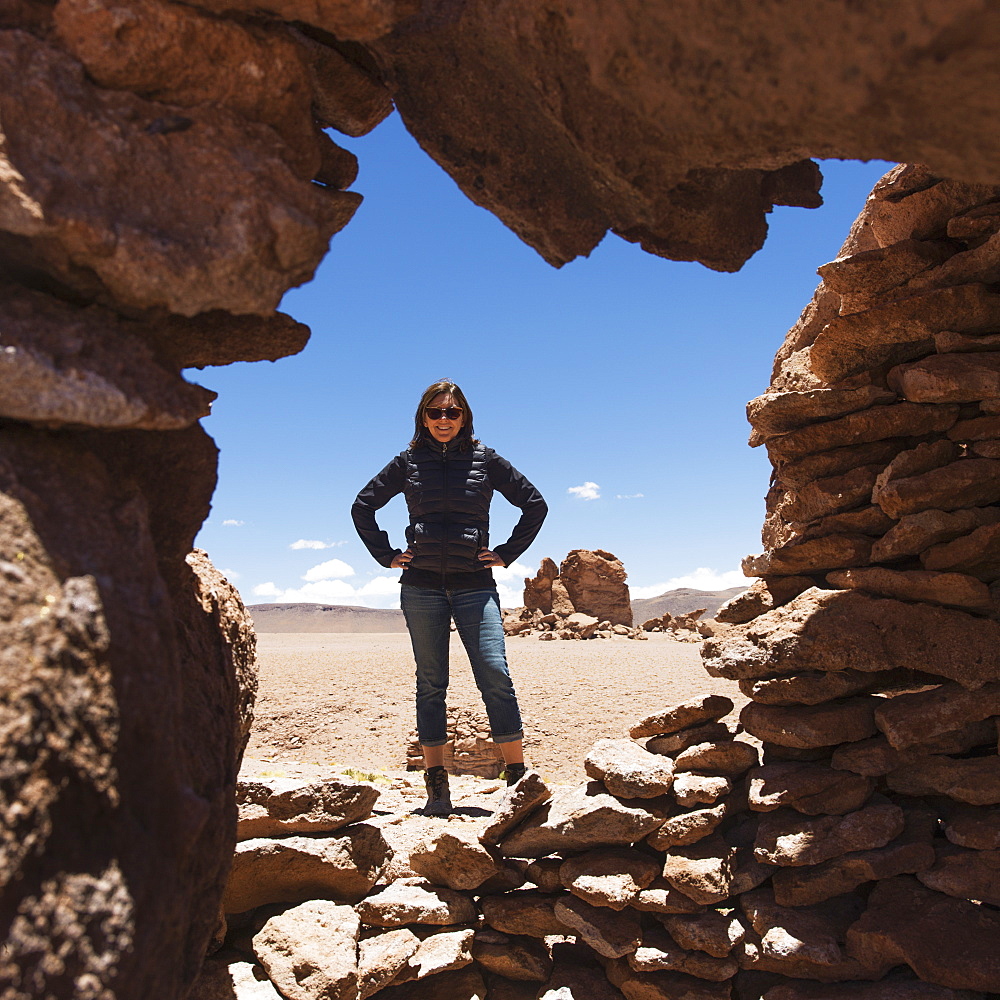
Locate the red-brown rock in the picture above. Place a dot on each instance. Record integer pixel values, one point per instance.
(683, 716)
(910, 719)
(953, 590)
(849, 630)
(975, 780)
(976, 554)
(915, 533)
(947, 941)
(595, 582)
(948, 378)
(970, 482)
(966, 874)
(808, 726)
(807, 788)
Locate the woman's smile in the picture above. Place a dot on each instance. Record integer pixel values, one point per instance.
(441, 428)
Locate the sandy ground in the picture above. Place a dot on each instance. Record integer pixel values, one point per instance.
(333, 701)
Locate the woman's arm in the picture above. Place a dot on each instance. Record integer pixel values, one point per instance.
(373, 497)
(508, 482)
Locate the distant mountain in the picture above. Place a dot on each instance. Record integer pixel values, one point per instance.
(348, 618)
(324, 618)
(680, 602)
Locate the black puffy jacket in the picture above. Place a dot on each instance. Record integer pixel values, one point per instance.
(448, 490)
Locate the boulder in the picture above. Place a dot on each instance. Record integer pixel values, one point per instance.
(947, 941)
(911, 852)
(809, 726)
(806, 942)
(976, 429)
(538, 591)
(812, 789)
(692, 789)
(915, 461)
(277, 807)
(517, 802)
(948, 378)
(817, 500)
(976, 554)
(975, 780)
(850, 630)
(662, 897)
(578, 819)
(811, 555)
(224, 977)
(969, 482)
(611, 934)
(728, 759)
(455, 859)
(955, 590)
(915, 533)
(780, 412)
(672, 743)
(870, 272)
(524, 912)
(382, 957)
(627, 770)
(785, 838)
(761, 596)
(413, 901)
(969, 826)
(562, 603)
(799, 472)
(910, 719)
(815, 688)
(439, 952)
(663, 985)
(862, 341)
(713, 932)
(525, 959)
(659, 952)
(610, 877)
(688, 827)
(876, 757)
(544, 873)
(875, 424)
(295, 869)
(966, 874)
(310, 951)
(595, 582)
(709, 708)
(712, 871)
(458, 984)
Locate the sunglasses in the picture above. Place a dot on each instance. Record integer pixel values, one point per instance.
(446, 412)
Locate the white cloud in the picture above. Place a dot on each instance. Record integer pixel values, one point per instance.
(510, 583)
(379, 592)
(332, 569)
(629, 496)
(230, 574)
(588, 491)
(702, 578)
(231, 522)
(309, 543)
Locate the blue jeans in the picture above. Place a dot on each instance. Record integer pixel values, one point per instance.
(428, 616)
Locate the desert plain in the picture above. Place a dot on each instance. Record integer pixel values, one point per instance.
(345, 700)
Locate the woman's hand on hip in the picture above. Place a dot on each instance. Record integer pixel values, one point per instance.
(402, 560)
(489, 558)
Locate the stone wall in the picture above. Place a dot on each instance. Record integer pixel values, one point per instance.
(683, 868)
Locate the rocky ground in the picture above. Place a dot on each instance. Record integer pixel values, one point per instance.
(327, 702)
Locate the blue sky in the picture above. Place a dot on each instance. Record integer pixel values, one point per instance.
(617, 384)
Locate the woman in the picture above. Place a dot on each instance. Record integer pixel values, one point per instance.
(448, 479)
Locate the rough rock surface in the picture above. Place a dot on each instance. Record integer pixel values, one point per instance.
(577, 819)
(280, 807)
(456, 860)
(608, 876)
(310, 951)
(627, 770)
(295, 869)
(414, 901)
(944, 940)
(595, 582)
(687, 714)
(812, 789)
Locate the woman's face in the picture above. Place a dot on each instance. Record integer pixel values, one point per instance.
(441, 428)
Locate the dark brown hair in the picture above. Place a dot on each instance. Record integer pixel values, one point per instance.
(464, 437)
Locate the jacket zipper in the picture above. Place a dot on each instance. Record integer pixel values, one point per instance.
(444, 540)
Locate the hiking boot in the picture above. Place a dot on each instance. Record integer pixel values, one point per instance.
(514, 773)
(438, 794)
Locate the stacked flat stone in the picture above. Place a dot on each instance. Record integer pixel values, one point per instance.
(684, 628)
(470, 748)
(683, 869)
(869, 645)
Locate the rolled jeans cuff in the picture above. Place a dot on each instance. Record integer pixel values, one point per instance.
(434, 743)
(509, 737)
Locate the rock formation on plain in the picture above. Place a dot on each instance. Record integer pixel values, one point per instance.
(166, 174)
